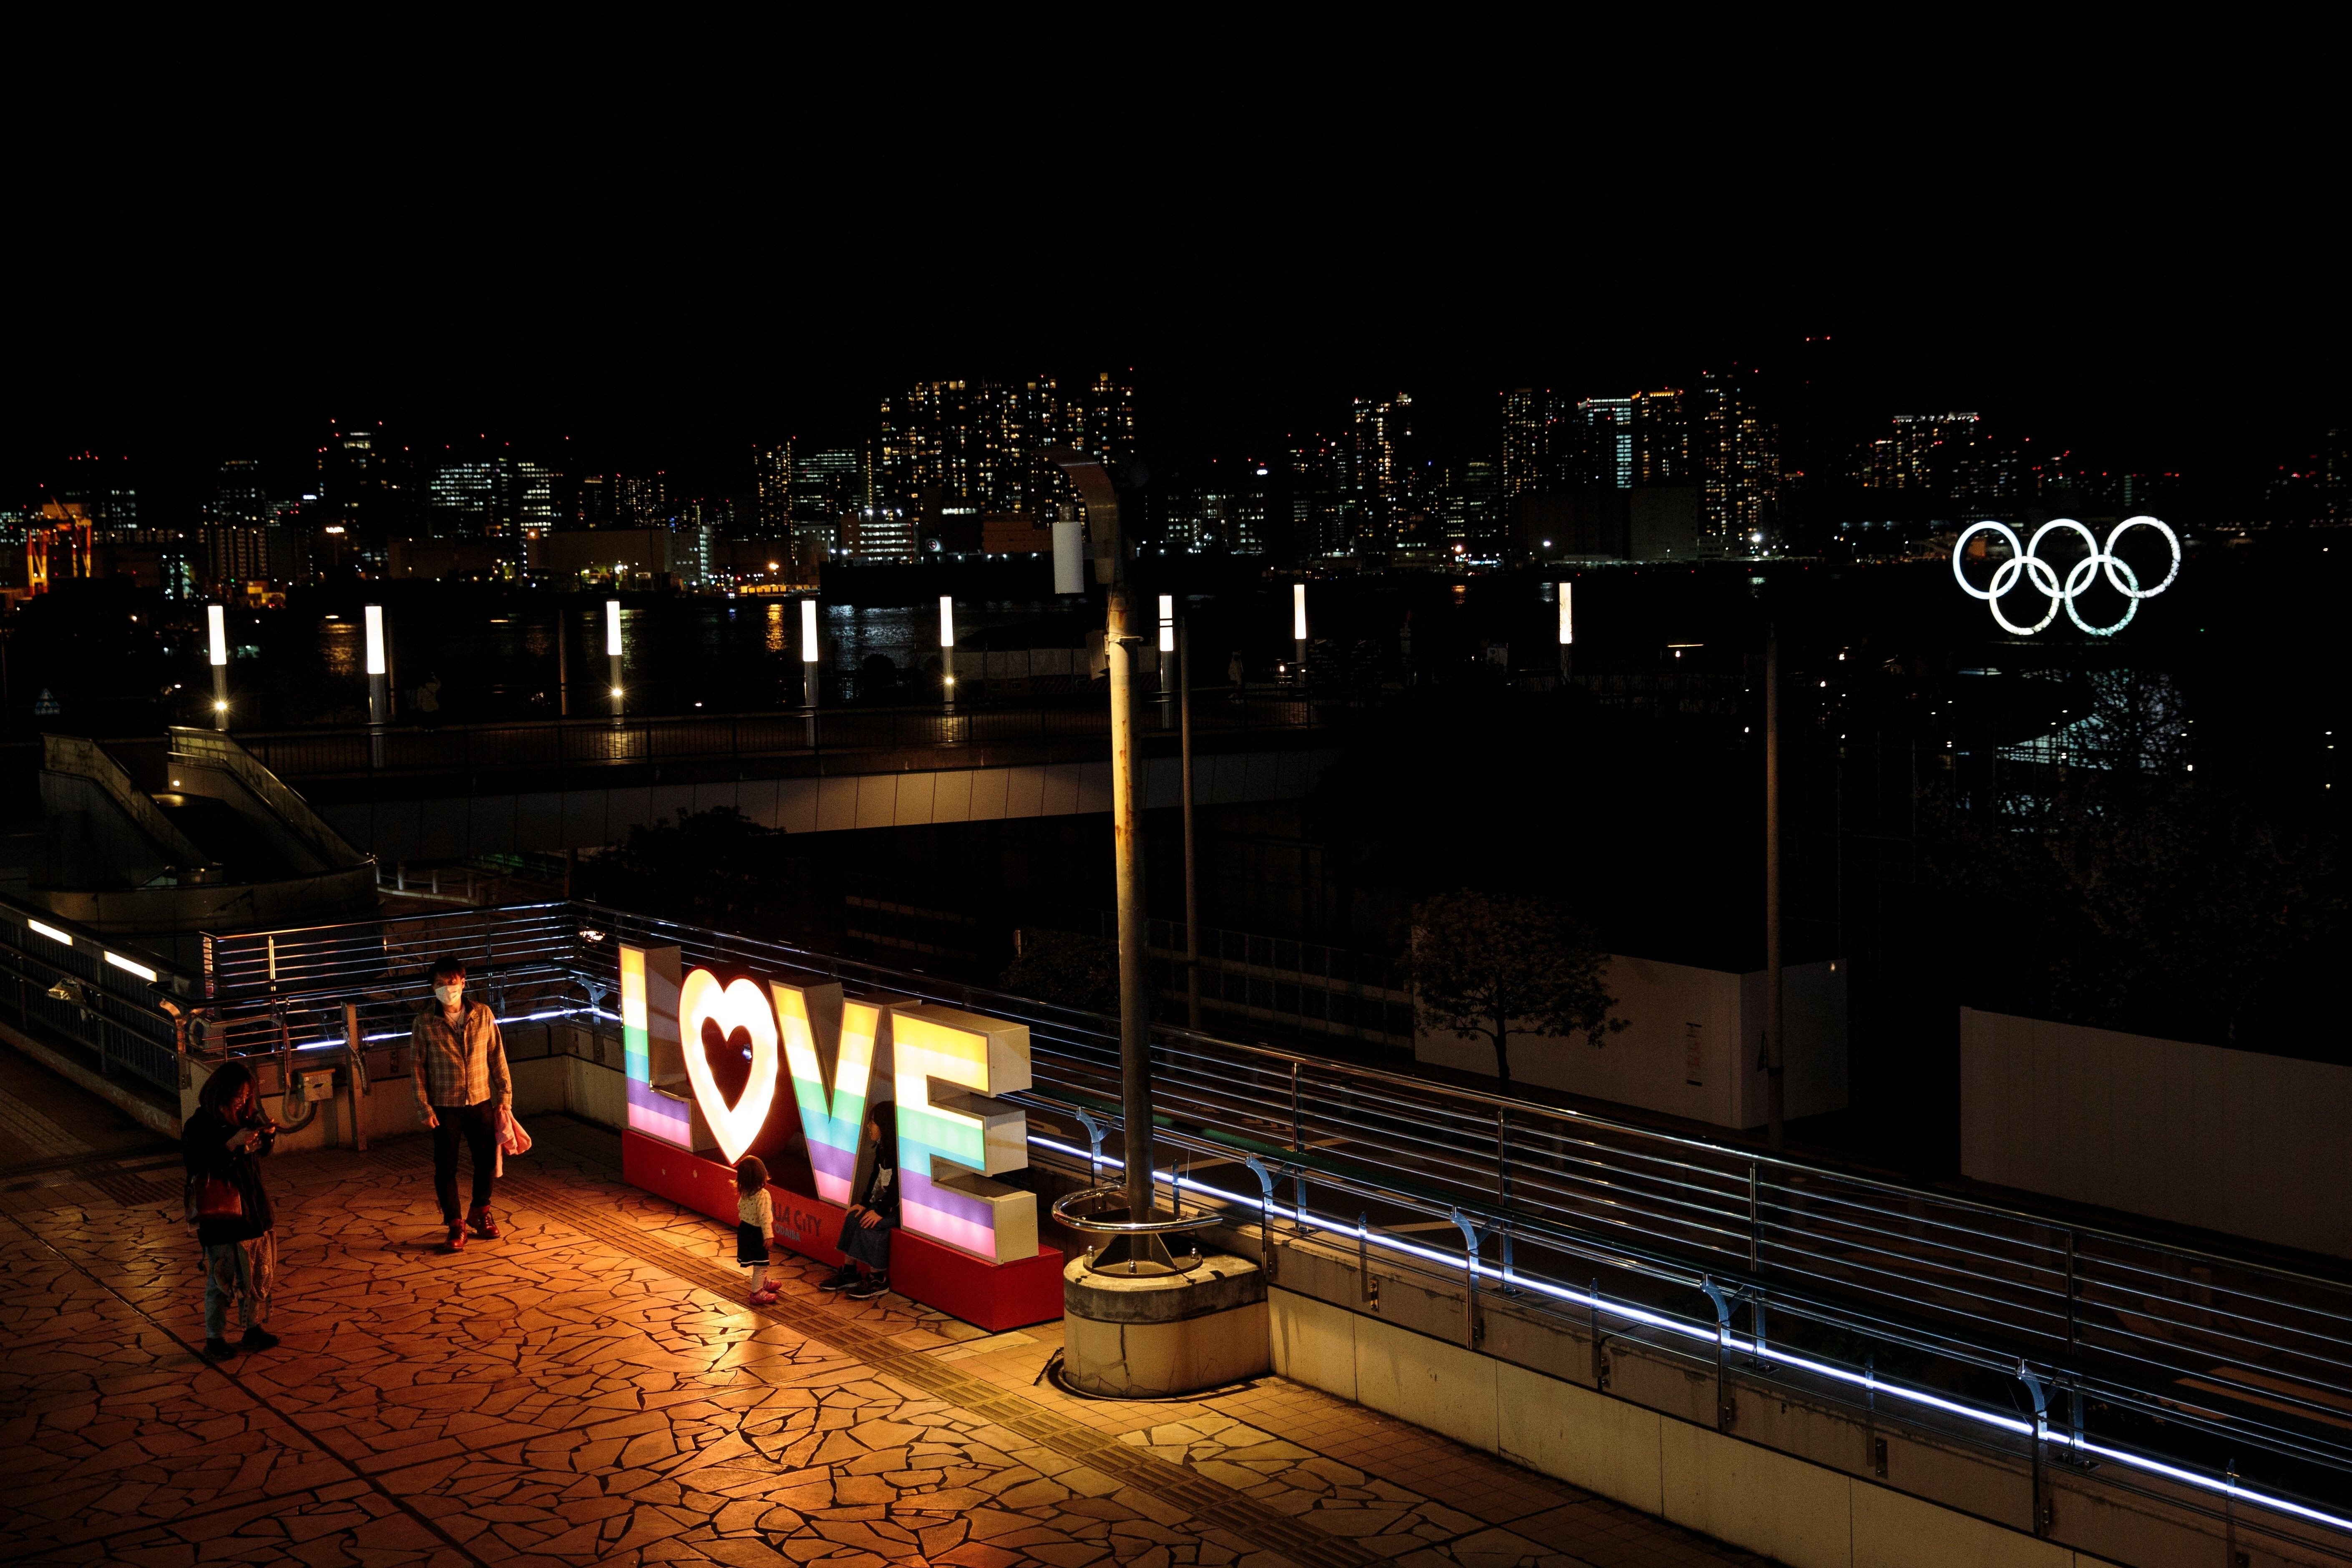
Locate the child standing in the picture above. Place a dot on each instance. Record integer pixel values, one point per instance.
(756, 1214)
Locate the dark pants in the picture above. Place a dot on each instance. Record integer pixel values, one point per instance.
(478, 1126)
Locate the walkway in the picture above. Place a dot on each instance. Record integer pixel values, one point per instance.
(592, 1388)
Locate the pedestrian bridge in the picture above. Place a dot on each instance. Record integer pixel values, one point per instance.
(1808, 1360)
(416, 795)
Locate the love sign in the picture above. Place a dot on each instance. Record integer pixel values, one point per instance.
(710, 1062)
(705, 1009)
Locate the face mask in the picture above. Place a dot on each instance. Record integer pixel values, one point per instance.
(448, 995)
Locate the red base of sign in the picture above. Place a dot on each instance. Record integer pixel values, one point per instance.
(995, 1296)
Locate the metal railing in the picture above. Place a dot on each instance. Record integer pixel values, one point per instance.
(61, 991)
(2175, 1362)
(602, 743)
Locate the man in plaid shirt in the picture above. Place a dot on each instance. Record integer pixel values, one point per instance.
(461, 1086)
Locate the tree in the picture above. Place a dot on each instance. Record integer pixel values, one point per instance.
(1080, 973)
(1491, 965)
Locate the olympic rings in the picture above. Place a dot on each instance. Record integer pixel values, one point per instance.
(2025, 564)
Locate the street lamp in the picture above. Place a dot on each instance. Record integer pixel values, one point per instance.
(947, 646)
(808, 653)
(1167, 659)
(1094, 488)
(613, 650)
(1567, 629)
(216, 627)
(1299, 625)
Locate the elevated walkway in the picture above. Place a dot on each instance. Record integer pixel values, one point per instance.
(150, 841)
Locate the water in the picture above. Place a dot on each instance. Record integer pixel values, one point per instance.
(721, 655)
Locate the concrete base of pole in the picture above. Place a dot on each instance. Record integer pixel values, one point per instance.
(1151, 1337)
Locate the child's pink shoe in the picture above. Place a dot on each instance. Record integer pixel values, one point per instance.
(765, 1296)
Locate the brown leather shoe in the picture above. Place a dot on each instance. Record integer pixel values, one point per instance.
(483, 1226)
(457, 1242)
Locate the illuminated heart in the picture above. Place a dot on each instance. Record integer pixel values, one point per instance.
(738, 1005)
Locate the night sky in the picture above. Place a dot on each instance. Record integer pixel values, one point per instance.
(664, 258)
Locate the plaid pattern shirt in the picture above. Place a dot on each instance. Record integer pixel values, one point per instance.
(453, 1071)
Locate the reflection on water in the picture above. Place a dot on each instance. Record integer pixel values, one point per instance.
(339, 649)
(743, 654)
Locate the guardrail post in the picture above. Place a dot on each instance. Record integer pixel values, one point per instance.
(1368, 1290)
(1600, 1361)
(1472, 1330)
(2044, 1511)
(1726, 1410)
(1095, 1138)
(359, 1076)
(2230, 1558)
(2073, 1329)
(1264, 1215)
(1756, 1313)
(1503, 1157)
(1755, 1219)
(1871, 1452)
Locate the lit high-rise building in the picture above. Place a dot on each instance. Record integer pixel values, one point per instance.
(771, 476)
(238, 494)
(366, 488)
(1738, 456)
(825, 484)
(101, 486)
(1526, 440)
(1383, 433)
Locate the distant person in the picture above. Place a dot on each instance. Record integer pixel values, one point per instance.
(755, 1215)
(865, 1240)
(462, 1085)
(1236, 672)
(429, 702)
(229, 1209)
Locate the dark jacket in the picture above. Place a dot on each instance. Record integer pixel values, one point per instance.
(875, 1183)
(204, 1145)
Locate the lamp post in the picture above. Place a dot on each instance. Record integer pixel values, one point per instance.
(1298, 626)
(1567, 629)
(1127, 830)
(1775, 1060)
(808, 655)
(379, 677)
(216, 630)
(613, 652)
(1184, 767)
(947, 648)
(1166, 660)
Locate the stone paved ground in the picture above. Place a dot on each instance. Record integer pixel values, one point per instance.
(592, 1388)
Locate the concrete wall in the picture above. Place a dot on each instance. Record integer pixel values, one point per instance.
(2232, 1141)
(553, 1066)
(400, 830)
(1794, 1478)
(1691, 1048)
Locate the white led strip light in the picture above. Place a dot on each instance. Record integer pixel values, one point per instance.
(2009, 1424)
(2025, 563)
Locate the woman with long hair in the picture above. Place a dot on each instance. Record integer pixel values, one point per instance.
(229, 1208)
(865, 1241)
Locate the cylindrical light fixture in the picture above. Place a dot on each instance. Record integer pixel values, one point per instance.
(1298, 627)
(216, 632)
(808, 656)
(1167, 661)
(947, 644)
(1566, 626)
(613, 650)
(379, 667)
(1069, 557)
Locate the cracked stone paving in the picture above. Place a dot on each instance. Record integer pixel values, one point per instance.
(592, 1388)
